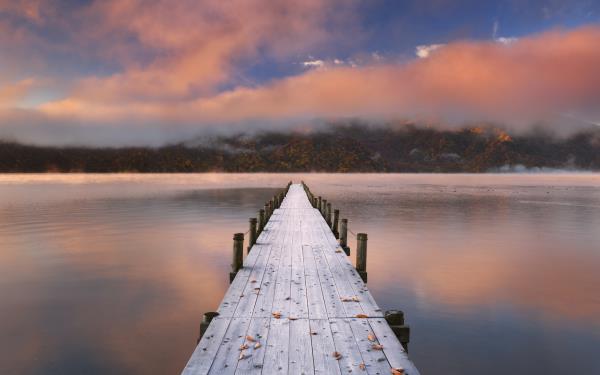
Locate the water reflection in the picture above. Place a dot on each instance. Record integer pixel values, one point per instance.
(110, 274)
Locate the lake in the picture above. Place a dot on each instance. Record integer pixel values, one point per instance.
(111, 274)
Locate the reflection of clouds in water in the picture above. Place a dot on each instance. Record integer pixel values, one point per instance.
(561, 204)
(117, 281)
(117, 269)
(469, 246)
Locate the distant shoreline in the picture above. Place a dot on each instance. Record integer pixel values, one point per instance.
(340, 149)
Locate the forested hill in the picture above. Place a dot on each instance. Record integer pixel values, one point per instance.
(339, 149)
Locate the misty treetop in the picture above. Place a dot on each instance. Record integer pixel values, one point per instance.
(344, 148)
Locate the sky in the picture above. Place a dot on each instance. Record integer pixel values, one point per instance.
(149, 72)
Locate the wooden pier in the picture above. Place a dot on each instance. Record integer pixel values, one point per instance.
(297, 305)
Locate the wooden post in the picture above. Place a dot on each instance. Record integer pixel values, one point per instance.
(271, 208)
(324, 209)
(395, 319)
(261, 221)
(252, 232)
(267, 215)
(361, 255)
(344, 236)
(336, 220)
(328, 215)
(238, 255)
(319, 204)
(205, 322)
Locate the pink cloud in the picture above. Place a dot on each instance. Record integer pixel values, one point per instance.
(170, 61)
(531, 79)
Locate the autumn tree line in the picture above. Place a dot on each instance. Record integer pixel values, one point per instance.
(340, 148)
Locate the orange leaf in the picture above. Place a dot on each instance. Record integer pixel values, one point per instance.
(362, 316)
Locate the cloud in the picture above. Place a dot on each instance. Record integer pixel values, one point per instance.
(528, 80)
(425, 50)
(506, 40)
(12, 93)
(314, 63)
(171, 70)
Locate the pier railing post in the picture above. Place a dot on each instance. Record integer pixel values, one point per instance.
(261, 221)
(267, 214)
(395, 319)
(205, 322)
(324, 208)
(344, 236)
(328, 215)
(238, 255)
(252, 233)
(319, 203)
(361, 255)
(271, 208)
(336, 220)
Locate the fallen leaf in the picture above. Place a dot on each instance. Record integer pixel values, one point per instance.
(398, 371)
(242, 356)
(250, 338)
(313, 333)
(337, 355)
(338, 251)
(292, 318)
(371, 337)
(377, 347)
(252, 281)
(276, 315)
(257, 345)
(362, 316)
(362, 366)
(244, 347)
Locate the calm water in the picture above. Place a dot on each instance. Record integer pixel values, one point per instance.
(104, 274)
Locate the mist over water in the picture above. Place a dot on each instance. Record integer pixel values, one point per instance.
(111, 273)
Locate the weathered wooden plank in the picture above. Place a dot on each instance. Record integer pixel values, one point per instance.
(348, 274)
(345, 291)
(333, 302)
(281, 298)
(256, 339)
(370, 348)
(298, 297)
(204, 354)
(264, 301)
(323, 348)
(236, 289)
(276, 352)
(247, 301)
(300, 348)
(393, 350)
(229, 353)
(314, 292)
(350, 359)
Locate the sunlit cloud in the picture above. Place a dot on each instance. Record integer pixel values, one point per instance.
(425, 50)
(179, 68)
